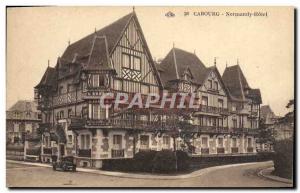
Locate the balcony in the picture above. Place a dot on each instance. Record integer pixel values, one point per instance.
(117, 153)
(80, 123)
(84, 152)
(212, 129)
(234, 150)
(213, 110)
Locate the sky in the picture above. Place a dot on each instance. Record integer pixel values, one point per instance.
(264, 45)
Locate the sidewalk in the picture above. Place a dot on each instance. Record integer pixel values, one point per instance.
(142, 176)
(266, 173)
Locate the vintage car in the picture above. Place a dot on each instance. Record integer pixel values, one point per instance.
(65, 164)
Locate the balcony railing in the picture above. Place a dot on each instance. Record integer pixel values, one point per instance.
(213, 110)
(117, 153)
(84, 152)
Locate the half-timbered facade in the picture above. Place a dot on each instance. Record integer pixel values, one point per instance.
(116, 59)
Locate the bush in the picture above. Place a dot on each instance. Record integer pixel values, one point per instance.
(283, 158)
(183, 160)
(143, 161)
(164, 162)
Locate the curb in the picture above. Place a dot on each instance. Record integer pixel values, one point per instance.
(272, 177)
(144, 176)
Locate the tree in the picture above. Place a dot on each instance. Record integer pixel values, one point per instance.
(265, 134)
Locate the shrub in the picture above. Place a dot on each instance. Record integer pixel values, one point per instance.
(143, 161)
(164, 162)
(183, 162)
(283, 158)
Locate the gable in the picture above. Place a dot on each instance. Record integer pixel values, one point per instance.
(213, 83)
(131, 59)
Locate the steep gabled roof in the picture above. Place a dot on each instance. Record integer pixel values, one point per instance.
(24, 106)
(238, 86)
(266, 110)
(175, 64)
(48, 78)
(255, 95)
(112, 33)
(235, 81)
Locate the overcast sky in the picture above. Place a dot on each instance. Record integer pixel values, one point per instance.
(264, 45)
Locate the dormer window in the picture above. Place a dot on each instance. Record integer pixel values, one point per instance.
(216, 85)
(210, 85)
(96, 80)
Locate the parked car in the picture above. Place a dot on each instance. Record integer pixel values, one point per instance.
(65, 164)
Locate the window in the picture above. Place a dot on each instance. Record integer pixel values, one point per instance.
(132, 62)
(84, 112)
(85, 141)
(16, 127)
(216, 86)
(117, 141)
(220, 142)
(126, 60)
(69, 88)
(137, 63)
(96, 114)
(234, 122)
(95, 80)
(234, 142)
(47, 141)
(60, 90)
(144, 141)
(28, 127)
(220, 103)
(101, 80)
(233, 107)
(70, 138)
(220, 122)
(204, 101)
(210, 84)
(69, 113)
(203, 121)
(61, 115)
(249, 142)
(204, 142)
(166, 141)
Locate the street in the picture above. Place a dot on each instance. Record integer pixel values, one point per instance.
(239, 176)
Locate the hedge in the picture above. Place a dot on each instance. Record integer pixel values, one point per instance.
(150, 161)
(283, 158)
(164, 162)
(14, 148)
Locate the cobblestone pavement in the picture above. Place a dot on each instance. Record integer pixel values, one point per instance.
(18, 175)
